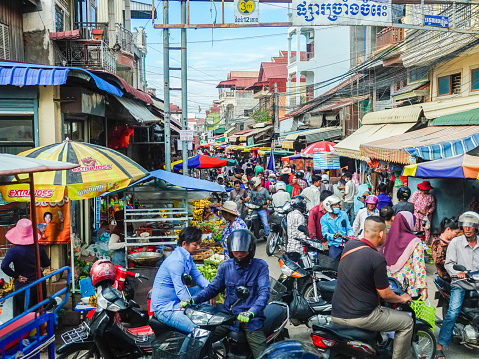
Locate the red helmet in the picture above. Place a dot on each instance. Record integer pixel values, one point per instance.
(102, 270)
(372, 200)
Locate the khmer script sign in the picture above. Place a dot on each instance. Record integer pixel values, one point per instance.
(342, 12)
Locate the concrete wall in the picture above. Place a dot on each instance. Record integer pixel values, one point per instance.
(49, 115)
(244, 101)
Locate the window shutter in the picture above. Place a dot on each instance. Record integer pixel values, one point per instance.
(4, 42)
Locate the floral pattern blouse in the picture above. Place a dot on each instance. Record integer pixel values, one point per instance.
(438, 251)
(237, 224)
(414, 270)
(425, 203)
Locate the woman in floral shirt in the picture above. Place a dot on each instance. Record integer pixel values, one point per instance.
(449, 230)
(424, 205)
(404, 255)
(229, 211)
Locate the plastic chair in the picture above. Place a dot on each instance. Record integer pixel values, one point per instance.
(86, 288)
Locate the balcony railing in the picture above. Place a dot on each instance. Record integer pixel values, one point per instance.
(305, 56)
(226, 94)
(87, 30)
(124, 38)
(389, 36)
(94, 55)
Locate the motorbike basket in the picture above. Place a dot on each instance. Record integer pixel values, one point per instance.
(326, 262)
(77, 335)
(174, 345)
(276, 290)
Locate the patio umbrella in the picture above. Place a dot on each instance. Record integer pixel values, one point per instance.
(202, 161)
(321, 146)
(101, 170)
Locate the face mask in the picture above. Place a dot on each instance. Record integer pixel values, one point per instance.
(336, 210)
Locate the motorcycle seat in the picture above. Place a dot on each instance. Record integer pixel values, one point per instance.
(327, 286)
(352, 332)
(158, 326)
(275, 315)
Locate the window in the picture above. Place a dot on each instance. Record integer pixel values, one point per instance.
(418, 74)
(74, 130)
(475, 79)
(383, 94)
(448, 85)
(4, 42)
(16, 134)
(59, 19)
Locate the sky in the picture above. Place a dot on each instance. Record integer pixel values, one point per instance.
(213, 53)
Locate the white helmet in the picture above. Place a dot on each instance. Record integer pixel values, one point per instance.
(469, 219)
(255, 181)
(280, 185)
(330, 201)
(324, 178)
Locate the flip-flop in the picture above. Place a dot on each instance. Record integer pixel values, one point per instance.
(440, 354)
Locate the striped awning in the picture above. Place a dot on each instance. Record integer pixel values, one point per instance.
(430, 143)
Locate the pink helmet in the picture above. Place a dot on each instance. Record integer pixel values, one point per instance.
(372, 200)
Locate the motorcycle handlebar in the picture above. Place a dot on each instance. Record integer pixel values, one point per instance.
(138, 312)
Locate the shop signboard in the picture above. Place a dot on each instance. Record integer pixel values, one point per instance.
(342, 12)
(246, 11)
(438, 21)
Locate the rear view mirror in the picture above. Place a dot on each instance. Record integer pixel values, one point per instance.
(186, 279)
(459, 267)
(242, 292)
(405, 284)
(303, 228)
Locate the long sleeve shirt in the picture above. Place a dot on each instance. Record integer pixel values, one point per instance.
(314, 222)
(294, 220)
(24, 264)
(312, 196)
(114, 242)
(330, 226)
(459, 251)
(230, 275)
(358, 224)
(168, 289)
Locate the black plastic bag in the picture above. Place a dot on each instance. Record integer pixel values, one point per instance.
(299, 307)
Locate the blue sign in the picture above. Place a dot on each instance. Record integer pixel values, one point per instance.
(433, 20)
(97, 213)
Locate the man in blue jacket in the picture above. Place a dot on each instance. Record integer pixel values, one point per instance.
(335, 225)
(169, 290)
(242, 269)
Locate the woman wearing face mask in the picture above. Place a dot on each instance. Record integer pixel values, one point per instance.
(449, 230)
(370, 210)
(270, 184)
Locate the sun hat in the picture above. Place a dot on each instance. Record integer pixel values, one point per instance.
(22, 233)
(255, 181)
(286, 171)
(244, 179)
(425, 186)
(230, 207)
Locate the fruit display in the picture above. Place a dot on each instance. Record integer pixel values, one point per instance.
(202, 254)
(215, 228)
(199, 210)
(211, 266)
(7, 287)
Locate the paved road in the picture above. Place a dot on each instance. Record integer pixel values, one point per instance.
(302, 333)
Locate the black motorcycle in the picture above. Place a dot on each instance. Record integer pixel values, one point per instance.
(340, 341)
(254, 223)
(466, 329)
(278, 235)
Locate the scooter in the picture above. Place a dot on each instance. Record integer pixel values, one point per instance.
(466, 329)
(278, 235)
(336, 341)
(254, 223)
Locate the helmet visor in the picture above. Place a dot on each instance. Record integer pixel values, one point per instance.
(240, 241)
(466, 223)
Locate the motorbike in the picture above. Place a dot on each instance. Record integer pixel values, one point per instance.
(336, 341)
(253, 222)
(466, 329)
(278, 235)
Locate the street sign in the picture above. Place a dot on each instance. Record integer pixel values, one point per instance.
(433, 20)
(246, 11)
(342, 12)
(187, 135)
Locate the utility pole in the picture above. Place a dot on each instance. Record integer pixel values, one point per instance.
(166, 89)
(184, 89)
(275, 117)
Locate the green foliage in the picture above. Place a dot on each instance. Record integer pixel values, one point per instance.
(261, 116)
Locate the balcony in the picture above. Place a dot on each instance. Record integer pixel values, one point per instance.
(389, 36)
(124, 38)
(94, 55)
(304, 56)
(227, 94)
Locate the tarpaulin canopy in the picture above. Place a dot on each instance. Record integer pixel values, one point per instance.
(201, 161)
(463, 166)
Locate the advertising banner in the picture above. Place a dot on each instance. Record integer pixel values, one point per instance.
(342, 12)
(53, 220)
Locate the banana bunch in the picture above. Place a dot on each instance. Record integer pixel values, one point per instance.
(92, 301)
(199, 209)
(177, 231)
(7, 288)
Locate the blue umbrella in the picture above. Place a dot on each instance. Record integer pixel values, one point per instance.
(271, 160)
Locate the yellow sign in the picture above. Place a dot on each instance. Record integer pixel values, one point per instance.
(246, 7)
(288, 144)
(246, 11)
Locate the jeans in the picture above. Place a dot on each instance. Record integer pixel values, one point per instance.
(263, 214)
(455, 304)
(335, 252)
(256, 339)
(386, 320)
(349, 209)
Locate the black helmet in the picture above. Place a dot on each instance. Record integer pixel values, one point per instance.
(299, 174)
(404, 193)
(241, 240)
(299, 203)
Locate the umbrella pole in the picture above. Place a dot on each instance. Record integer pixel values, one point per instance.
(33, 216)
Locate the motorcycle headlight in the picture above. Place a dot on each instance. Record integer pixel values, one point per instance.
(101, 302)
(201, 318)
(287, 271)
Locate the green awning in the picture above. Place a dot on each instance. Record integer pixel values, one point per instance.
(220, 139)
(464, 118)
(229, 162)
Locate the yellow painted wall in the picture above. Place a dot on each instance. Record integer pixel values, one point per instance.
(462, 64)
(49, 115)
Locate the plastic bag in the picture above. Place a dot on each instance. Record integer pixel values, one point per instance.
(299, 307)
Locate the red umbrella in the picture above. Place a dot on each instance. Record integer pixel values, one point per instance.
(321, 146)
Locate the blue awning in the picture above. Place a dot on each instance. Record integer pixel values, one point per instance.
(22, 74)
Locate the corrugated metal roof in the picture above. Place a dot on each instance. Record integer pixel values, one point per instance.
(23, 74)
(410, 87)
(328, 132)
(406, 114)
(470, 117)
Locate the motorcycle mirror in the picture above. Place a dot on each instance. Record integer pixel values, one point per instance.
(405, 284)
(303, 228)
(242, 292)
(459, 267)
(186, 279)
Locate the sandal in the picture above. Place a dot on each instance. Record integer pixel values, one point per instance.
(440, 354)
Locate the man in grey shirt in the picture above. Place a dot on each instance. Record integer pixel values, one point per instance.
(465, 251)
(261, 197)
(350, 191)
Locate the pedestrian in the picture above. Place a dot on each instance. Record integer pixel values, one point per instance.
(258, 169)
(403, 195)
(424, 206)
(404, 255)
(383, 198)
(233, 220)
(281, 197)
(312, 193)
(294, 189)
(285, 174)
(260, 177)
(387, 213)
(325, 185)
(449, 230)
(308, 175)
(23, 259)
(238, 195)
(350, 191)
(117, 239)
(296, 218)
(270, 184)
(249, 171)
(315, 215)
(301, 181)
(369, 210)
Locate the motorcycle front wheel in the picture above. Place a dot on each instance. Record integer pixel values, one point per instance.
(271, 243)
(424, 344)
(80, 353)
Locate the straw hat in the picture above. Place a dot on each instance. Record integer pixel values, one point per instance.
(244, 179)
(286, 171)
(22, 233)
(230, 207)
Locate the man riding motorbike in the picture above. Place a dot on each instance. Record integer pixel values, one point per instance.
(169, 290)
(461, 250)
(241, 269)
(281, 197)
(334, 226)
(362, 275)
(403, 195)
(261, 197)
(295, 218)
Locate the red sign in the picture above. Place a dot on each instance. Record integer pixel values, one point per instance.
(39, 193)
(92, 168)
